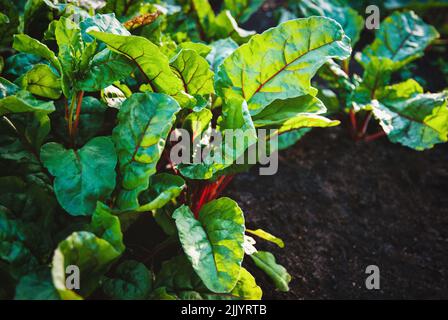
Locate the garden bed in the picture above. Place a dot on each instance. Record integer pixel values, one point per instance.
(343, 206)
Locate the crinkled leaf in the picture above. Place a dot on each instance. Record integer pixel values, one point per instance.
(221, 49)
(194, 71)
(215, 255)
(402, 38)
(42, 81)
(280, 63)
(90, 254)
(82, 177)
(202, 49)
(412, 118)
(266, 262)
(23, 102)
(133, 282)
(145, 119)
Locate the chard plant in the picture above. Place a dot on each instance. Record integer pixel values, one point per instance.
(405, 112)
(88, 106)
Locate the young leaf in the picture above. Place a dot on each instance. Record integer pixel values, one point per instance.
(82, 177)
(266, 262)
(90, 254)
(402, 38)
(134, 282)
(107, 226)
(162, 189)
(194, 71)
(145, 119)
(267, 236)
(41, 81)
(147, 56)
(280, 63)
(216, 256)
(409, 117)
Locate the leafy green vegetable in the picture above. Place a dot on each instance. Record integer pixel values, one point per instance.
(42, 81)
(215, 256)
(82, 177)
(145, 120)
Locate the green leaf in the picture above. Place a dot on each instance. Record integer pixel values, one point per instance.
(82, 177)
(215, 255)
(202, 49)
(280, 63)
(177, 279)
(133, 282)
(266, 262)
(90, 254)
(242, 10)
(36, 286)
(145, 119)
(107, 226)
(105, 68)
(91, 120)
(7, 88)
(288, 139)
(26, 44)
(197, 122)
(402, 38)
(41, 81)
(267, 236)
(194, 71)
(291, 114)
(18, 64)
(153, 64)
(23, 102)
(104, 23)
(221, 49)
(411, 118)
(348, 18)
(162, 189)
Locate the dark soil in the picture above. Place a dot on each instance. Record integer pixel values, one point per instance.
(341, 206)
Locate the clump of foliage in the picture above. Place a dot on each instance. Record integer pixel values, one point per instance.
(405, 112)
(88, 98)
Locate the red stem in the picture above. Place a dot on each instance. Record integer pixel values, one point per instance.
(353, 120)
(78, 112)
(365, 125)
(375, 136)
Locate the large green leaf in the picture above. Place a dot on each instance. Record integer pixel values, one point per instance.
(348, 18)
(412, 118)
(133, 282)
(280, 63)
(145, 119)
(267, 236)
(179, 279)
(42, 81)
(147, 56)
(24, 102)
(194, 71)
(82, 177)
(402, 38)
(214, 242)
(90, 254)
(26, 44)
(266, 262)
